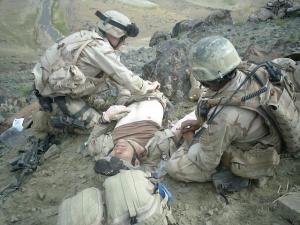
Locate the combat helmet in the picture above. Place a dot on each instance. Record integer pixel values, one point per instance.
(212, 58)
(116, 24)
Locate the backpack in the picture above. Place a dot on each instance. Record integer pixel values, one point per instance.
(86, 207)
(57, 73)
(271, 94)
(279, 103)
(131, 198)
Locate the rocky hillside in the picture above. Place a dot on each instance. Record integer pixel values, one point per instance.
(63, 171)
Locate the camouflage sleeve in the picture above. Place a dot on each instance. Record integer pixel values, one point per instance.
(215, 140)
(104, 57)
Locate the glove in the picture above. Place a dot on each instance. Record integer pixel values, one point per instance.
(190, 125)
(115, 112)
(152, 86)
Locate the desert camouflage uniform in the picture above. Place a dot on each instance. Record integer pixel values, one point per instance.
(239, 134)
(101, 77)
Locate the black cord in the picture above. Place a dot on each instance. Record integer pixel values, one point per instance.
(215, 113)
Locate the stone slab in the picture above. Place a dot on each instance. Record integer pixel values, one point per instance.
(289, 207)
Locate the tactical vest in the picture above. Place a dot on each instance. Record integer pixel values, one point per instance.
(275, 102)
(57, 74)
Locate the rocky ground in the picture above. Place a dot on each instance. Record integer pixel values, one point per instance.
(64, 171)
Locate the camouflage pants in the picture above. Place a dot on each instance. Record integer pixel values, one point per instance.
(76, 109)
(181, 168)
(258, 161)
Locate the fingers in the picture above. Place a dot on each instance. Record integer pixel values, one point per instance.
(122, 108)
(190, 126)
(115, 112)
(120, 116)
(152, 86)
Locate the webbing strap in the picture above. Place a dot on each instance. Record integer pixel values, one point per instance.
(78, 52)
(61, 102)
(135, 155)
(129, 202)
(81, 111)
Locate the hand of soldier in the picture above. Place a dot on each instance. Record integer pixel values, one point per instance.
(190, 126)
(152, 86)
(115, 112)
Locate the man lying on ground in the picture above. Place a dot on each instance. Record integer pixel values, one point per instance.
(137, 138)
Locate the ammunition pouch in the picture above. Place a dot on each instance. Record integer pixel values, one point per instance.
(45, 102)
(66, 121)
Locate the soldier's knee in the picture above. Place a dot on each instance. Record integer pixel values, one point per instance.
(172, 168)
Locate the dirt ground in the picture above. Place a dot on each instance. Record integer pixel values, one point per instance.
(67, 172)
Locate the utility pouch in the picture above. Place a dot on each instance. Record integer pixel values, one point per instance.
(255, 163)
(286, 116)
(66, 121)
(86, 207)
(45, 102)
(131, 198)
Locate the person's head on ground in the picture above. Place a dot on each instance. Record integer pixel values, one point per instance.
(213, 61)
(127, 150)
(116, 27)
(124, 155)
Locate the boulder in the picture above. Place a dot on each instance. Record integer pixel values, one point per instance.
(171, 68)
(294, 10)
(289, 207)
(262, 14)
(273, 9)
(257, 54)
(219, 17)
(185, 26)
(158, 37)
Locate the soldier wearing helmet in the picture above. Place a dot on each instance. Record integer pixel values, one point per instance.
(80, 77)
(230, 130)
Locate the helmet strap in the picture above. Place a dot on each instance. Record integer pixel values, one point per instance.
(217, 84)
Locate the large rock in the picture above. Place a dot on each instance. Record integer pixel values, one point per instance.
(257, 54)
(289, 207)
(158, 37)
(185, 26)
(294, 10)
(219, 17)
(170, 68)
(273, 9)
(261, 15)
